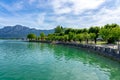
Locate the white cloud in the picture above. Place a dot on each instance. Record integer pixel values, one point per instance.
(100, 18)
(105, 16)
(36, 20)
(13, 7)
(40, 19)
(31, 1)
(82, 5)
(63, 10)
(26, 20)
(59, 6)
(18, 6)
(68, 13)
(75, 6)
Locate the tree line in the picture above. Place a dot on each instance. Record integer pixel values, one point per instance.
(109, 33)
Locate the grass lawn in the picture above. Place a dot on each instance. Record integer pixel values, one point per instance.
(101, 42)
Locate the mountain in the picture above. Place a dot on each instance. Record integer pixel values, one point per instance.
(19, 31)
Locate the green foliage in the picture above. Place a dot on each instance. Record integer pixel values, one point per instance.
(79, 37)
(59, 29)
(84, 30)
(67, 30)
(109, 26)
(78, 31)
(116, 33)
(95, 30)
(105, 33)
(50, 37)
(71, 36)
(42, 35)
(86, 37)
(92, 36)
(109, 33)
(66, 38)
(31, 36)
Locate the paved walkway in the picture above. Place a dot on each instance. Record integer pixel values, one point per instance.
(109, 46)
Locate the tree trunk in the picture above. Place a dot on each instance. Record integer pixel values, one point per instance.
(87, 41)
(118, 45)
(95, 40)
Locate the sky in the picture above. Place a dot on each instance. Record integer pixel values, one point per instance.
(47, 14)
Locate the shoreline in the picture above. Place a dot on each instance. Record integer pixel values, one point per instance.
(110, 53)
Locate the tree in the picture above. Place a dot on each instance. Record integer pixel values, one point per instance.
(42, 35)
(80, 37)
(106, 34)
(86, 37)
(95, 30)
(84, 30)
(108, 26)
(67, 30)
(71, 36)
(65, 38)
(51, 37)
(116, 34)
(78, 31)
(31, 36)
(92, 36)
(59, 29)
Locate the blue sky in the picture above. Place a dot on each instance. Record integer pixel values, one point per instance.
(47, 14)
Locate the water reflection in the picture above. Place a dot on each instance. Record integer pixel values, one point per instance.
(54, 62)
(31, 46)
(87, 58)
(62, 53)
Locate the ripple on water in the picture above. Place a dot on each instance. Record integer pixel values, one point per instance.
(36, 61)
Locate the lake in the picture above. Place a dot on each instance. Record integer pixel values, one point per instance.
(39, 61)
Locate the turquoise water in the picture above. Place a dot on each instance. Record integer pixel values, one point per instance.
(36, 61)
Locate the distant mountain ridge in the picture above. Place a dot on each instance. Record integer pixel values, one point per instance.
(19, 31)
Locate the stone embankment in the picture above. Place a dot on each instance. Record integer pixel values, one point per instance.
(101, 50)
(104, 51)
